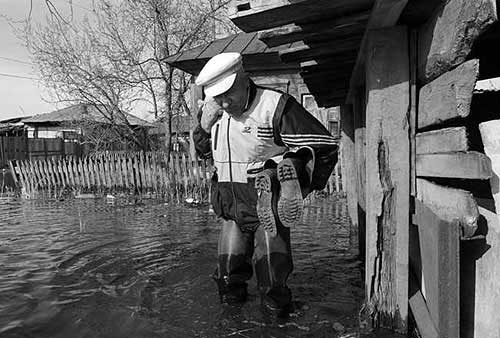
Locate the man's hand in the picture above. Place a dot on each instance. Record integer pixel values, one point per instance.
(211, 112)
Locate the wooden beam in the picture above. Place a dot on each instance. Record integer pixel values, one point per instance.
(486, 85)
(387, 176)
(327, 62)
(255, 15)
(341, 26)
(359, 108)
(450, 205)
(472, 165)
(425, 325)
(446, 39)
(385, 13)
(303, 51)
(439, 242)
(442, 141)
(449, 96)
(348, 158)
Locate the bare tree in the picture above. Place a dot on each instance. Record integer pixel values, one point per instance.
(115, 57)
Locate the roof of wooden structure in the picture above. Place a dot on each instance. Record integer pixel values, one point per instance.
(257, 57)
(324, 40)
(81, 112)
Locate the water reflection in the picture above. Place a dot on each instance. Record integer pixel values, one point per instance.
(87, 268)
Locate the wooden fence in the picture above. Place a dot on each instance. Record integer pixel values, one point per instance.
(21, 148)
(173, 178)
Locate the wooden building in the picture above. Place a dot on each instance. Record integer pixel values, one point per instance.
(416, 82)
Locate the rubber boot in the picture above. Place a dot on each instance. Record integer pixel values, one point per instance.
(234, 268)
(273, 265)
(267, 186)
(294, 175)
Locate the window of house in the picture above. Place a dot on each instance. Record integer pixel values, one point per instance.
(333, 128)
(70, 135)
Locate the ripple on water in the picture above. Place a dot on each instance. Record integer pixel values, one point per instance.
(84, 268)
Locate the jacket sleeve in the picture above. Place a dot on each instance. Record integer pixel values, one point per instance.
(202, 142)
(295, 127)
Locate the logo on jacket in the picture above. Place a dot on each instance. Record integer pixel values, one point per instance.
(247, 130)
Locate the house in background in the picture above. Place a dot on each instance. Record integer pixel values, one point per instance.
(60, 133)
(66, 123)
(181, 127)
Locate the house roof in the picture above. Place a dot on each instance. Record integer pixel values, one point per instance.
(257, 57)
(17, 119)
(323, 40)
(81, 112)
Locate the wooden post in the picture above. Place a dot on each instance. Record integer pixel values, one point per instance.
(439, 242)
(348, 161)
(360, 168)
(387, 177)
(196, 94)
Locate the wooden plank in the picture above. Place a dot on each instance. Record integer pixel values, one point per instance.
(64, 168)
(487, 86)
(446, 39)
(106, 170)
(53, 171)
(472, 165)
(94, 177)
(385, 13)
(124, 169)
(138, 176)
(481, 273)
(442, 141)
(22, 177)
(490, 135)
(327, 29)
(412, 113)
(255, 15)
(387, 176)
(13, 172)
(450, 205)
(449, 96)
(360, 169)
(348, 161)
(423, 318)
(439, 242)
(184, 172)
(75, 172)
(36, 173)
(84, 173)
(307, 51)
(131, 165)
(118, 168)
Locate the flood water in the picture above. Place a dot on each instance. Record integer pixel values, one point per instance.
(87, 268)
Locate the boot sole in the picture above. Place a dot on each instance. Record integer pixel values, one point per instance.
(264, 203)
(291, 203)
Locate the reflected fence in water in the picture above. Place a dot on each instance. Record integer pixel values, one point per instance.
(174, 177)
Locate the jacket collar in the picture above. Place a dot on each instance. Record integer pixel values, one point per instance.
(252, 92)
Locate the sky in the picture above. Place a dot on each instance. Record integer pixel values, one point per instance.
(20, 92)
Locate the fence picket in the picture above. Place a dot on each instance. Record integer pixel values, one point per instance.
(175, 177)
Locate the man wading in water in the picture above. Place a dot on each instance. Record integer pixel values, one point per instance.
(269, 153)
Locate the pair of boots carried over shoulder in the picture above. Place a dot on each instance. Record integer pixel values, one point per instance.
(281, 189)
